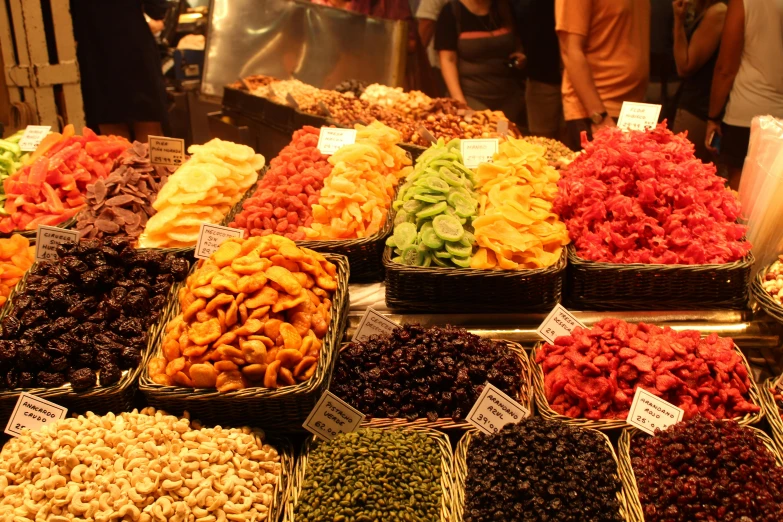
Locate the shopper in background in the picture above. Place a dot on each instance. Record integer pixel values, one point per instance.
(426, 17)
(119, 65)
(664, 82)
(536, 20)
(749, 74)
(605, 46)
(695, 53)
(480, 54)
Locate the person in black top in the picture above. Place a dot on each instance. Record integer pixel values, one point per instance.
(695, 53)
(480, 53)
(119, 65)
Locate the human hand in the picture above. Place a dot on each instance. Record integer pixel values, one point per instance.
(680, 8)
(713, 128)
(519, 59)
(607, 122)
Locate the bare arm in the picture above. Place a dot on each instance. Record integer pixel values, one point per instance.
(573, 54)
(691, 56)
(426, 30)
(729, 57)
(448, 66)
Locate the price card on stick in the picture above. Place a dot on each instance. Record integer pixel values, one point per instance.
(33, 136)
(478, 151)
(494, 409)
(373, 323)
(332, 416)
(426, 134)
(167, 151)
(211, 236)
(638, 116)
(649, 412)
(559, 322)
(47, 238)
(33, 412)
(291, 100)
(332, 139)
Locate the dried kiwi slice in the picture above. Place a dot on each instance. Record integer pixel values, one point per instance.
(442, 254)
(432, 210)
(464, 206)
(463, 262)
(390, 242)
(436, 184)
(448, 228)
(429, 198)
(430, 239)
(440, 262)
(401, 217)
(458, 250)
(410, 256)
(412, 206)
(404, 235)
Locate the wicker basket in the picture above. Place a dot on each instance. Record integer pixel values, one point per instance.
(773, 413)
(525, 399)
(283, 408)
(30, 234)
(446, 476)
(637, 286)
(537, 377)
(100, 399)
(628, 477)
(468, 290)
(461, 475)
(771, 307)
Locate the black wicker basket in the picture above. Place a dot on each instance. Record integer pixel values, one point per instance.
(468, 290)
(282, 409)
(611, 286)
(766, 302)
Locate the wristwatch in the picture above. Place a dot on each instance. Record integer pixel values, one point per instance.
(597, 117)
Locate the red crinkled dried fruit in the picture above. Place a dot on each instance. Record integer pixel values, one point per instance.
(643, 197)
(586, 377)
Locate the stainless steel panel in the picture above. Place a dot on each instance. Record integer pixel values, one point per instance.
(318, 45)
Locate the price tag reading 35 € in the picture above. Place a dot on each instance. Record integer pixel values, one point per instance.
(211, 236)
(649, 412)
(559, 322)
(332, 416)
(494, 409)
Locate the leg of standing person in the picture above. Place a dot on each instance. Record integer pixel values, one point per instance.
(574, 129)
(733, 149)
(697, 132)
(544, 109)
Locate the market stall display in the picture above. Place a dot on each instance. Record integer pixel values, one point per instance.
(767, 289)
(652, 226)
(11, 159)
(121, 204)
(589, 378)
(16, 257)
(700, 469)
(50, 189)
(141, 466)
(395, 98)
(560, 472)
(557, 155)
(253, 331)
(203, 190)
(78, 327)
(427, 376)
(373, 474)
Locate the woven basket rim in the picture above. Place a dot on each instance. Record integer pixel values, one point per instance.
(628, 477)
(525, 393)
(771, 307)
(547, 412)
(31, 234)
(576, 260)
(461, 474)
(446, 480)
(317, 381)
(773, 413)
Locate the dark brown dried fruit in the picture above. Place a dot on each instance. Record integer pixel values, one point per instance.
(82, 379)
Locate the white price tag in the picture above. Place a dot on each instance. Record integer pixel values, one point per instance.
(167, 151)
(33, 412)
(47, 238)
(332, 416)
(559, 322)
(332, 139)
(478, 151)
(373, 323)
(638, 116)
(32, 137)
(649, 412)
(211, 236)
(494, 409)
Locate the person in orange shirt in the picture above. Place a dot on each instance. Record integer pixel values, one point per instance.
(605, 47)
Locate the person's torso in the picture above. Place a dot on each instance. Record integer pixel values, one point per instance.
(695, 93)
(540, 41)
(758, 87)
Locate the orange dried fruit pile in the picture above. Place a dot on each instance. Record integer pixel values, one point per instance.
(516, 228)
(16, 256)
(356, 196)
(254, 314)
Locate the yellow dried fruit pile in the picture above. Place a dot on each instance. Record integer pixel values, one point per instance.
(254, 314)
(356, 196)
(516, 228)
(202, 190)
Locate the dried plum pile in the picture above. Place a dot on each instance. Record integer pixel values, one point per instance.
(423, 372)
(707, 470)
(541, 470)
(86, 314)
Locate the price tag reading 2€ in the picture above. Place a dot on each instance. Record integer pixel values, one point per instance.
(475, 152)
(331, 139)
(47, 238)
(211, 236)
(649, 412)
(494, 409)
(33, 412)
(559, 322)
(373, 323)
(332, 416)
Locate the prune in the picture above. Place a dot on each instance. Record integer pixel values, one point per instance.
(139, 273)
(131, 357)
(96, 259)
(59, 364)
(136, 305)
(179, 268)
(32, 357)
(83, 358)
(11, 379)
(109, 374)
(105, 357)
(88, 246)
(8, 351)
(61, 272)
(65, 249)
(82, 379)
(74, 264)
(63, 324)
(49, 379)
(89, 280)
(26, 380)
(116, 243)
(21, 303)
(118, 293)
(105, 274)
(130, 327)
(11, 326)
